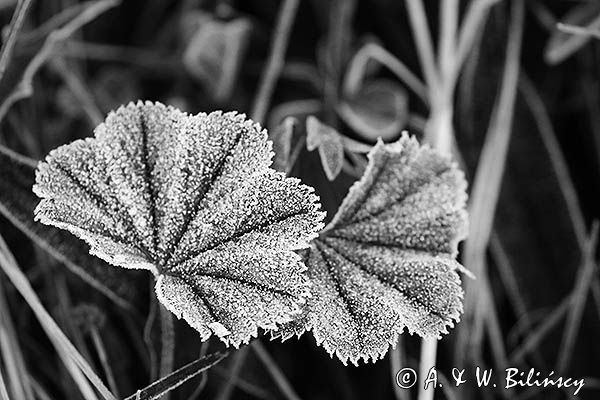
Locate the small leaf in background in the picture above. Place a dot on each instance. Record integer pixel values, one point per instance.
(378, 110)
(562, 45)
(282, 137)
(386, 261)
(17, 203)
(192, 199)
(215, 52)
(330, 145)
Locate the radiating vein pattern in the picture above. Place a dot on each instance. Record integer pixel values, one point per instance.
(193, 199)
(386, 262)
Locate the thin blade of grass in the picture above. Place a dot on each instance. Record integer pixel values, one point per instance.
(509, 279)
(476, 15)
(101, 351)
(14, 364)
(275, 62)
(426, 362)
(561, 169)
(539, 333)
(3, 391)
(447, 37)
(62, 344)
(79, 378)
(273, 369)
(15, 26)
(397, 361)
(511, 286)
(177, 378)
(167, 347)
(488, 178)
(423, 42)
(578, 300)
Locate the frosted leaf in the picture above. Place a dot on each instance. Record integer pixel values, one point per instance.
(193, 199)
(386, 260)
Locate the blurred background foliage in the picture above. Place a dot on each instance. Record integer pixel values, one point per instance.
(347, 65)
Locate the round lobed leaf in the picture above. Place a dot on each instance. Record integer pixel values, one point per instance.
(193, 199)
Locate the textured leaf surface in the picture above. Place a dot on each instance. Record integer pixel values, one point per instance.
(192, 199)
(17, 202)
(386, 260)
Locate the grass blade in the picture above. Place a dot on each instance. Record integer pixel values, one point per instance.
(536, 336)
(422, 37)
(167, 340)
(475, 16)
(15, 26)
(488, 178)
(14, 364)
(177, 378)
(397, 361)
(447, 37)
(271, 73)
(62, 344)
(578, 300)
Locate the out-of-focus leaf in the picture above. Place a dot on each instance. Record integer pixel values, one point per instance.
(282, 137)
(561, 44)
(215, 52)
(386, 261)
(330, 145)
(192, 199)
(17, 203)
(378, 110)
(177, 378)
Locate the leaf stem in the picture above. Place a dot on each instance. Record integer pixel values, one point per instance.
(397, 360)
(427, 361)
(422, 37)
(275, 62)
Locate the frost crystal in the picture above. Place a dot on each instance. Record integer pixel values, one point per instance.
(191, 198)
(386, 261)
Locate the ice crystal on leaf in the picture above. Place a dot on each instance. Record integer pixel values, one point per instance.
(386, 261)
(193, 199)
